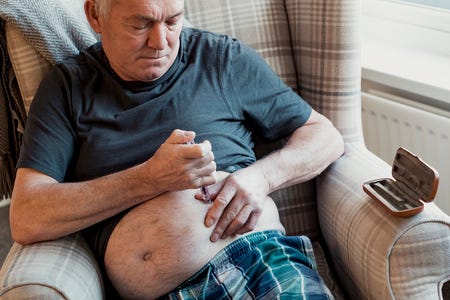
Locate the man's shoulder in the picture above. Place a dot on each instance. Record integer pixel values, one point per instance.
(197, 33)
(195, 36)
(83, 63)
(208, 44)
(85, 57)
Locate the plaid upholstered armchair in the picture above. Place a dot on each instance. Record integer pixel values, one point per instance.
(362, 252)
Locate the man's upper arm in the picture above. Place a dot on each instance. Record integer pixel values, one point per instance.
(316, 118)
(26, 178)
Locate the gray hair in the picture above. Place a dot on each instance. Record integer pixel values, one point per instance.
(103, 7)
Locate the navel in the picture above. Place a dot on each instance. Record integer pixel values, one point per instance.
(147, 256)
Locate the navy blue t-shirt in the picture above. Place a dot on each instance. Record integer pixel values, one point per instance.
(86, 122)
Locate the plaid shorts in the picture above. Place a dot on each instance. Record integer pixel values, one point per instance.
(261, 265)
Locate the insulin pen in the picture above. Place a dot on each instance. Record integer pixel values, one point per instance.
(206, 196)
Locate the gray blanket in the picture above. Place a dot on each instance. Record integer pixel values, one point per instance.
(55, 28)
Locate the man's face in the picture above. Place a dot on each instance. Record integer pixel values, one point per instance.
(141, 37)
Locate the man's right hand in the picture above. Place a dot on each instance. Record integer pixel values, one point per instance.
(177, 165)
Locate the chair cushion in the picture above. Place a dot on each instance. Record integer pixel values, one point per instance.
(65, 267)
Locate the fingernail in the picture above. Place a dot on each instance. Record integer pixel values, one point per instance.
(214, 237)
(209, 222)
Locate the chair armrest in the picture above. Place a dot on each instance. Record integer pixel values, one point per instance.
(60, 269)
(376, 255)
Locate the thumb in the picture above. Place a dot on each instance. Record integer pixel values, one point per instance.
(179, 136)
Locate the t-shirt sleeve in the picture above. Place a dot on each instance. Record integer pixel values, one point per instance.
(49, 138)
(272, 108)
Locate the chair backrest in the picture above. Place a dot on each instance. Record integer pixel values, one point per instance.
(312, 45)
(326, 42)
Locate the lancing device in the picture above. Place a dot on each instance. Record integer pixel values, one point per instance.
(206, 196)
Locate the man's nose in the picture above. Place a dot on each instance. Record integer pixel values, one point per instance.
(157, 37)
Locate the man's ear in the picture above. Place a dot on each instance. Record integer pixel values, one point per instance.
(92, 16)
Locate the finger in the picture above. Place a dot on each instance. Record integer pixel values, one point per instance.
(210, 178)
(179, 136)
(238, 222)
(250, 224)
(220, 203)
(227, 217)
(203, 175)
(203, 150)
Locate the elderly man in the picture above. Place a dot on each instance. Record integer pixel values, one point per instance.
(108, 150)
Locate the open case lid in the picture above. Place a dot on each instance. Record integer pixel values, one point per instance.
(417, 175)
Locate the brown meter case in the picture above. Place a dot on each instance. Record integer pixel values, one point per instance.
(414, 181)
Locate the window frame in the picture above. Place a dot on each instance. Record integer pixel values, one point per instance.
(422, 21)
(419, 2)
(407, 32)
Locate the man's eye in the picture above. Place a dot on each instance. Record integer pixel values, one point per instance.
(173, 22)
(172, 26)
(139, 27)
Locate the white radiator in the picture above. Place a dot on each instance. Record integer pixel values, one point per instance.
(389, 124)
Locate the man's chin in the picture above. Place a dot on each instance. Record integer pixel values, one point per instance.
(145, 70)
(149, 74)
(152, 75)
(153, 71)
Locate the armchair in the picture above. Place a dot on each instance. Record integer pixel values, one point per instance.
(361, 252)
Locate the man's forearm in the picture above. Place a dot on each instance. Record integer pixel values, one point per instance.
(310, 150)
(42, 209)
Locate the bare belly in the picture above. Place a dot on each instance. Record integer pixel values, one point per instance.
(162, 242)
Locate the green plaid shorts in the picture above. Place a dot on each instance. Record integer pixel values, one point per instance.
(261, 265)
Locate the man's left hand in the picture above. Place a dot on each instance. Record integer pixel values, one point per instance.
(238, 203)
